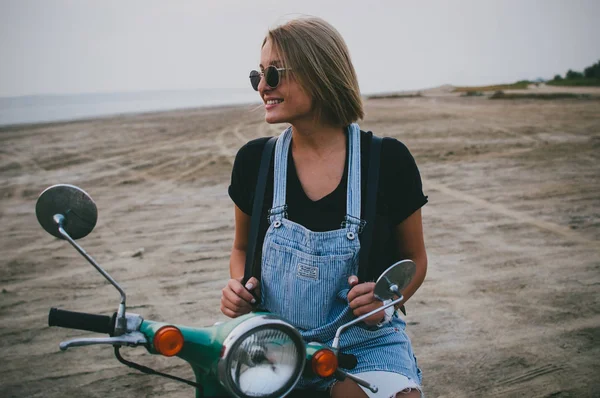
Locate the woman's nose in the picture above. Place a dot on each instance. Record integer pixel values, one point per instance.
(262, 85)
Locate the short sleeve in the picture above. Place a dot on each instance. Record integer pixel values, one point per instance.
(402, 189)
(245, 174)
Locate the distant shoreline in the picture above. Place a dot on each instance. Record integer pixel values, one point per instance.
(35, 111)
(111, 116)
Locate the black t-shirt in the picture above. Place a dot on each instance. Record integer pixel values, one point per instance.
(399, 195)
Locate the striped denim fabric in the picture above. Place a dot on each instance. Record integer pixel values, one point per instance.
(305, 277)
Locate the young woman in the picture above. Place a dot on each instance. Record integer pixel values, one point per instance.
(313, 207)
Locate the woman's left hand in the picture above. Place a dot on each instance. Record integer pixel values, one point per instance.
(362, 300)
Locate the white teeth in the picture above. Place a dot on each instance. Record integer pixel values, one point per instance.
(273, 102)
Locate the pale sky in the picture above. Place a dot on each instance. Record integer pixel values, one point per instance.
(82, 46)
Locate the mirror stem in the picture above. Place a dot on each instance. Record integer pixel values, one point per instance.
(336, 340)
(121, 325)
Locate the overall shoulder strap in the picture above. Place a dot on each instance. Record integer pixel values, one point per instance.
(370, 207)
(250, 269)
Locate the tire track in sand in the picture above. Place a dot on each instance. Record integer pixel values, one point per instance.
(164, 185)
(226, 151)
(515, 215)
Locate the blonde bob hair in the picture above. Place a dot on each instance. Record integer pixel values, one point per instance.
(320, 63)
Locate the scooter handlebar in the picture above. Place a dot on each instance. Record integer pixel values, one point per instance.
(81, 321)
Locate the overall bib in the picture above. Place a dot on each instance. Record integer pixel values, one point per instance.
(304, 277)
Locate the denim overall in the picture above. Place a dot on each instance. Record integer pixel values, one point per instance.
(305, 274)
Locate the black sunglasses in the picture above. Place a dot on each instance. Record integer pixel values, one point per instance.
(271, 74)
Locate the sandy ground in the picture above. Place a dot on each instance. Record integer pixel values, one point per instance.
(510, 306)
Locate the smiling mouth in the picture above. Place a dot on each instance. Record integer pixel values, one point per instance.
(274, 102)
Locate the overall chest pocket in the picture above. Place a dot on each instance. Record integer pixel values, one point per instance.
(302, 287)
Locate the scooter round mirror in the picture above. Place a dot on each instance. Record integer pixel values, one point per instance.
(74, 204)
(394, 279)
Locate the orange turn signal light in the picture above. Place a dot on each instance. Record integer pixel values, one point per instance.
(168, 341)
(324, 362)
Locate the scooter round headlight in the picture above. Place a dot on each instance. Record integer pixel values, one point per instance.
(263, 357)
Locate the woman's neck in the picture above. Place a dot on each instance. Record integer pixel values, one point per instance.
(318, 138)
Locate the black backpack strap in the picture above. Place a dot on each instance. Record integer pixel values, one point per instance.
(366, 237)
(251, 269)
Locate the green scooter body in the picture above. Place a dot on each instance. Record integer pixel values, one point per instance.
(203, 347)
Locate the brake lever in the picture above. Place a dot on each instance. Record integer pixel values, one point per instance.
(129, 339)
(341, 375)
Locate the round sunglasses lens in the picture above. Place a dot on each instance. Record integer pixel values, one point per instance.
(254, 79)
(272, 76)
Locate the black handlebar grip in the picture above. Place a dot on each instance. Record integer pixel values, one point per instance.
(81, 321)
(347, 361)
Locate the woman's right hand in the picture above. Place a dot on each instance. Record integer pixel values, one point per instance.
(236, 300)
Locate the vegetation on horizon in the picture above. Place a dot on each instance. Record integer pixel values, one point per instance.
(473, 93)
(520, 85)
(539, 96)
(589, 77)
(394, 95)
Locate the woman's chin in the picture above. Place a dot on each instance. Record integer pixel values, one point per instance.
(273, 119)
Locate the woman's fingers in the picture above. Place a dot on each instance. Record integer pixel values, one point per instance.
(232, 309)
(360, 290)
(253, 285)
(362, 300)
(229, 312)
(236, 287)
(353, 280)
(373, 319)
(358, 311)
(236, 300)
(229, 309)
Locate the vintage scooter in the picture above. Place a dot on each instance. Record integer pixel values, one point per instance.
(255, 355)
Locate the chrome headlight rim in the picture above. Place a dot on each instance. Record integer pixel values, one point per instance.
(239, 334)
